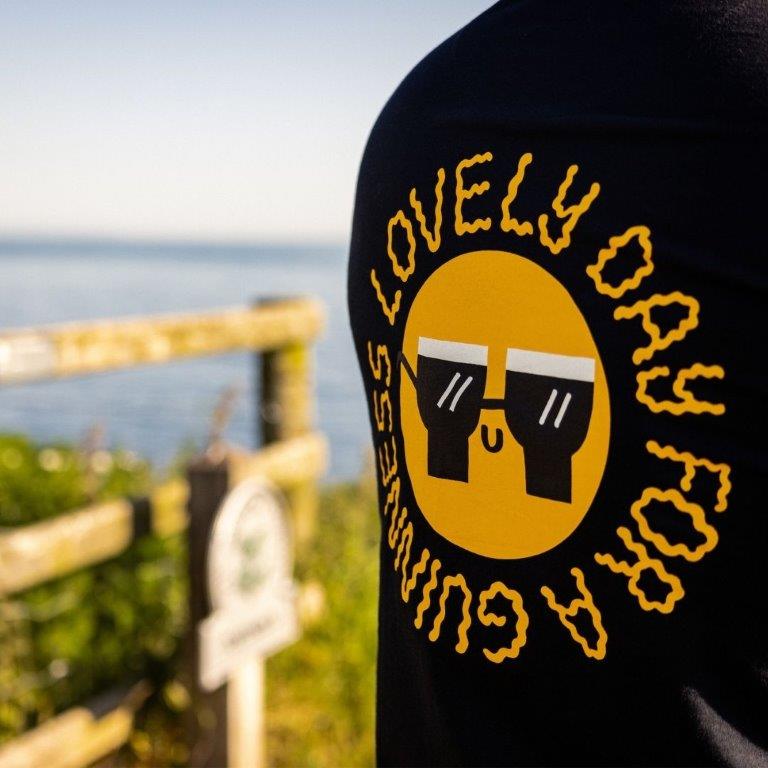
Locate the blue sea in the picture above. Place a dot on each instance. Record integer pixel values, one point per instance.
(155, 410)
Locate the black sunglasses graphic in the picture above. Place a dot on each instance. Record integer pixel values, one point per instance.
(547, 406)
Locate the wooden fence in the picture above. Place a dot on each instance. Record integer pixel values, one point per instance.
(292, 456)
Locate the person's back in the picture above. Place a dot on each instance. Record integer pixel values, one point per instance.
(557, 288)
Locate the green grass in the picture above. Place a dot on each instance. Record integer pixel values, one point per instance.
(320, 695)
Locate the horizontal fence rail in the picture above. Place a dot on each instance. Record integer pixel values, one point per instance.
(76, 349)
(36, 553)
(79, 736)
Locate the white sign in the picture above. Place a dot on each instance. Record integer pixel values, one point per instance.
(249, 581)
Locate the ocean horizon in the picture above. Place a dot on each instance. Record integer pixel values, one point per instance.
(156, 410)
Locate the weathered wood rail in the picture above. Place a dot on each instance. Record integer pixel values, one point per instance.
(79, 736)
(75, 349)
(292, 456)
(52, 548)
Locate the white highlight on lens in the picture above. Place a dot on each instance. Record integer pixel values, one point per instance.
(563, 409)
(451, 385)
(547, 364)
(453, 351)
(460, 393)
(548, 407)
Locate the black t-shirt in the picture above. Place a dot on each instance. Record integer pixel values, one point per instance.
(557, 289)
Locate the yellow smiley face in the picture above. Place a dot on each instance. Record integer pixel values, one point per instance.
(504, 406)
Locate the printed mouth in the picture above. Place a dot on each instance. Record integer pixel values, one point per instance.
(498, 439)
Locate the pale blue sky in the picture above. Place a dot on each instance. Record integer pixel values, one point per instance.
(216, 120)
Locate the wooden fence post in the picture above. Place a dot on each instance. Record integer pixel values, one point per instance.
(207, 726)
(286, 409)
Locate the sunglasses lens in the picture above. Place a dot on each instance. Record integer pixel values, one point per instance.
(548, 410)
(451, 383)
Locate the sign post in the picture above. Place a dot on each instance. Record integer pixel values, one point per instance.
(243, 567)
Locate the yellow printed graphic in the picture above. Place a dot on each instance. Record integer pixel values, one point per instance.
(448, 583)
(426, 594)
(404, 548)
(687, 403)
(692, 463)
(595, 271)
(694, 511)
(402, 272)
(432, 238)
(390, 310)
(382, 411)
(488, 618)
(382, 356)
(505, 411)
(660, 341)
(502, 301)
(508, 222)
(470, 227)
(408, 583)
(635, 571)
(571, 214)
(392, 503)
(396, 524)
(566, 613)
(387, 460)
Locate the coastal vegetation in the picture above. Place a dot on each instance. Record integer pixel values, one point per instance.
(66, 641)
